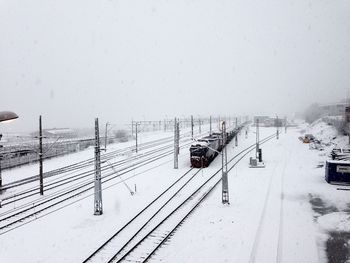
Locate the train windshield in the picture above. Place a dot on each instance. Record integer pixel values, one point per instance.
(198, 151)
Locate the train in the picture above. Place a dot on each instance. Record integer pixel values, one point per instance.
(347, 114)
(204, 150)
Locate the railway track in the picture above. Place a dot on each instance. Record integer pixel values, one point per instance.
(89, 162)
(70, 178)
(127, 246)
(262, 219)
(71, 173)
(12, 218)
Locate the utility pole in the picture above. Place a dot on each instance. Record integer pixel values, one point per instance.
(132, 128)
(176, 144)
(136, 132)
(277, 131)
(192, 126)
(257, 139)
(236, 137)
(106, 136)
(210, 124)
(98, 188)
(0, 177)
(41, 158)
(225, 193)
(0, 166)
(199, 127)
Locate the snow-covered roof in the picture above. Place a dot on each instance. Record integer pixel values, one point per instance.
(339, 162)
(59, 130)
(201, 143)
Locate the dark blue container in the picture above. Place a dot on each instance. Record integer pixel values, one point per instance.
(337, 171)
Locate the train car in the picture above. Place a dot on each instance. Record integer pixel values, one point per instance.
(347, 114)
(218, 135)
(203, 151)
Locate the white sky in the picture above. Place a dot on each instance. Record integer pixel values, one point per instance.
(72, 61)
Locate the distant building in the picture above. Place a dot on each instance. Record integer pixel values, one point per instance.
(261, 118)
(333, 109)
(57, 133)
(269, 121)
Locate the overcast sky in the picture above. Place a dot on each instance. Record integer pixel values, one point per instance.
(74, 60)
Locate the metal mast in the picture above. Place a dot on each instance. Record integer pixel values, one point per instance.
(0, 166)
(225, 193)
(106, 132)
(277, 131)
(236, 137)
(136, 135)
(98, 188)
(257, 139)
(199, 127)
(176, 143)
(192, 126)
(210, 124)
(41, 158)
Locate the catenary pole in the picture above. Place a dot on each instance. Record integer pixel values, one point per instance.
(199, 126)
(210, 125)
(41, 158)
(106, 136)
(225, 192)
(192, 126)
(136, 133)
(257, 138)
(98, 187)
(277, 131)
(236, 137)
(176, 144)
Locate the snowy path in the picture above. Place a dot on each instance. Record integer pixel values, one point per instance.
(259, 225)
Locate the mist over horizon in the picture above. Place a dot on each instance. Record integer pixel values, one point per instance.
(72, 61)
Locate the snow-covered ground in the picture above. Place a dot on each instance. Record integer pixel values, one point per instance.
(285, 212)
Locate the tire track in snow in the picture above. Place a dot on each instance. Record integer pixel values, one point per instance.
(261, 221)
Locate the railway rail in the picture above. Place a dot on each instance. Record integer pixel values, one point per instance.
(19, 215)
(74, 177)
(127, 246)
(70, 172)
(89, 162)
(10, 219)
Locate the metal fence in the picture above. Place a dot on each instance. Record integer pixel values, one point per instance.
(15, 155)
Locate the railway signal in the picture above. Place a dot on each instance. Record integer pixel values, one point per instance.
(257, 162)
(98, 188)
